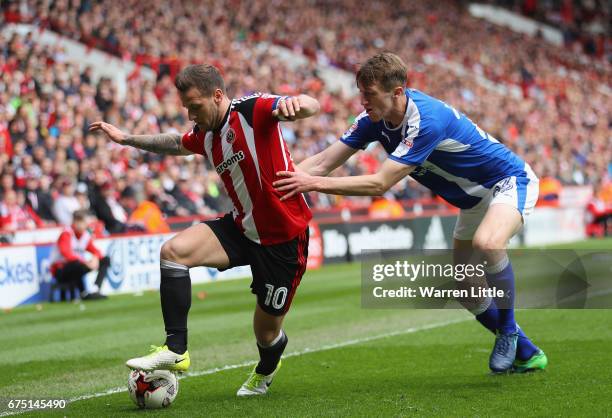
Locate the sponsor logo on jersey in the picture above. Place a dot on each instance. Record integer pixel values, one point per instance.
(386, 136)
(233, 159)
(230, 136)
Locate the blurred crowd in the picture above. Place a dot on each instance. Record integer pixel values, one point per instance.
(585, 24)
(50, 165)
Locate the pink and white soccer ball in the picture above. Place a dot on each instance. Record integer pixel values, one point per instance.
(152, 390)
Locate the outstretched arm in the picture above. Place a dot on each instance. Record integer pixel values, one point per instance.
(159, 143)
(369, 185)
(328, 160)
(296, 107)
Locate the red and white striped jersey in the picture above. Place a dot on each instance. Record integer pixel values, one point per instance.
(247, 152)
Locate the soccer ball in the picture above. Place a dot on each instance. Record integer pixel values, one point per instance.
(152, 390)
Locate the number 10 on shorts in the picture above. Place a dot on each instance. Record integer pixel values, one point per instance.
(276, 297)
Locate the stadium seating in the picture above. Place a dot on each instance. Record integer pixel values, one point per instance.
(559, 122)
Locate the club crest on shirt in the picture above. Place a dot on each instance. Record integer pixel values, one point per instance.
(230, 136)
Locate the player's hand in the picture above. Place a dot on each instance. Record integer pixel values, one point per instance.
(111, 131)
(294, 183)
(287, 108)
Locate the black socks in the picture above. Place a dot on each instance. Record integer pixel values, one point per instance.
(104, 265)
(175, 292)
(270, 356)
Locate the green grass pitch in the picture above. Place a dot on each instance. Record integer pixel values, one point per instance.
(342, 360)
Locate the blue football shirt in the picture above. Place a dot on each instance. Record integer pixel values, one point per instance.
(453, 156)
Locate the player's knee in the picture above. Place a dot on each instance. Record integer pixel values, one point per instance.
(173, 250)
(487, 244)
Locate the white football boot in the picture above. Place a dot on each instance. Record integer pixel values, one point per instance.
(161, 358)
(257, 384)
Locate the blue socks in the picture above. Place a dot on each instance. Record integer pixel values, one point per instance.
(501, 277)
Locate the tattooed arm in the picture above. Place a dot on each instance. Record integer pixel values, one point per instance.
(160, 143)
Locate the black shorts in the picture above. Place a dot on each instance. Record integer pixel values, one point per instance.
(277, 269)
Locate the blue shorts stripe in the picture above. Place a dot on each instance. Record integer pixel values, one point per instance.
(521, 192)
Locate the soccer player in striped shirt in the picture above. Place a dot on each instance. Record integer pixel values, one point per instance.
(446, 152)
(242, 140)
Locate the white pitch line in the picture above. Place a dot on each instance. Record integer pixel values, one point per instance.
(253, 362)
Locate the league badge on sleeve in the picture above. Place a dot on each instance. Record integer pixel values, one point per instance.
(350, 130)
(403, 148)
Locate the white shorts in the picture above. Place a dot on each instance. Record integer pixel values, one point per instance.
(519, 192)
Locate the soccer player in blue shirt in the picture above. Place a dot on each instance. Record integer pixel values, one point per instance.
(445, 151)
